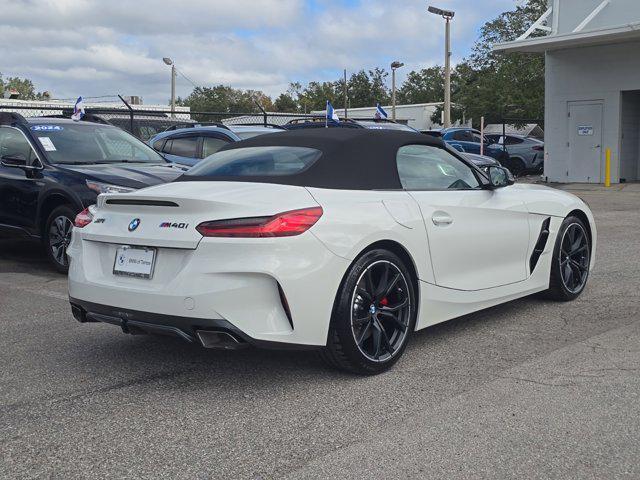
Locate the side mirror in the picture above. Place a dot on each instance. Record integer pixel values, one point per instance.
(500, 177)
(15, 160)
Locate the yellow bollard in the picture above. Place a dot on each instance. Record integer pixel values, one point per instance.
(607, 168)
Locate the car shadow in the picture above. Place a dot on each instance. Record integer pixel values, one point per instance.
(150, 358)
(24, 256)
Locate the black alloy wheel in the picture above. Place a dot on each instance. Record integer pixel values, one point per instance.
(374, 314)
(380, 311)
(574, 258)
(571, 261)
(57, 237)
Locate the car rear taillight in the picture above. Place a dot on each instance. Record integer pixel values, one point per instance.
(84, 218)
(539, 148)
(286, 224)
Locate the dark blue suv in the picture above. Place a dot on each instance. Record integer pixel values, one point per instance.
(51, 169)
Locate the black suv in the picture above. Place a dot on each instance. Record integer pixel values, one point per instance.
(51, 169)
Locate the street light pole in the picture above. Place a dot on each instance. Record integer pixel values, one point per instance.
(168, 61)
(447, 15)
(447, 73)
(394, 66)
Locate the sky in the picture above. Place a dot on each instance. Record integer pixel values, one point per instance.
(106, 47)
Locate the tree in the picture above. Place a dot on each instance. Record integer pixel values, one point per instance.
(23, 86)
(489, 84)
(285, 103)
(498, 85)
(424, 86)
(315, 95)
(222, 98)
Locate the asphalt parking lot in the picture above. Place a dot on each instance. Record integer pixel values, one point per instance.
(530, 389)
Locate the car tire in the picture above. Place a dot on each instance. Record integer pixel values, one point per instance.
(374, 314)
(57, 236)
(570, 262)
(517, 166)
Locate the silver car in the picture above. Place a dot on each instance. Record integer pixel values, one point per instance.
(526, 154)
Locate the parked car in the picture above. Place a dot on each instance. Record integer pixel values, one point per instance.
(468, 140)
(250, 131)
(344, 240)
(371, 124)
(526, 154)
(481, 161)
(144, 126)
(51, 169)
(187, 146)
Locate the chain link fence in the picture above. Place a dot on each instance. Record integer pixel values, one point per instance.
(145, 123)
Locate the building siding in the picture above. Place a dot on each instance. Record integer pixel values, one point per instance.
(584, 74)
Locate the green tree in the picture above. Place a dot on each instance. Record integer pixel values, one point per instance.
(23, 86)
(285, 103)
(315, 95)
(423, 86)
(223, 98)
(497, 85)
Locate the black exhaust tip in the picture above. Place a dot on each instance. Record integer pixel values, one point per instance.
(220, 339)
(79, 314)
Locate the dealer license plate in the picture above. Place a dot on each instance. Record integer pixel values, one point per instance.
(134, 261)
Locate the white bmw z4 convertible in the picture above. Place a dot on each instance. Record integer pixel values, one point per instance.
(343, 240)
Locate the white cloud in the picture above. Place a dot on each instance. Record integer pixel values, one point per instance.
(103, 47)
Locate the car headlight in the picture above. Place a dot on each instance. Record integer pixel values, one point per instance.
(100, 187)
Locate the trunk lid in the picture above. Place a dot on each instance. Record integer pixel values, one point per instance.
(167, 215)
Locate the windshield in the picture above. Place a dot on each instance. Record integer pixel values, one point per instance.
(256, 162)
(86, 143)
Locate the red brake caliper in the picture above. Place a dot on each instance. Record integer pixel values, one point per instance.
(384, 302)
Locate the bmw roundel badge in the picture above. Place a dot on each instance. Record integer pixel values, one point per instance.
(134, 224)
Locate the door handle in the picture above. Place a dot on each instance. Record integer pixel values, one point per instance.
(441, 219)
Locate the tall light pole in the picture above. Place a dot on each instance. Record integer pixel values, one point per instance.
(447, 15)
(394, 66)
(168, 61)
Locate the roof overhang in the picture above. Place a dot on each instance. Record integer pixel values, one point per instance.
(622, 34)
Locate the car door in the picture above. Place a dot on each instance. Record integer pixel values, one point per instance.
(465, 138)
(19, 189)
(477, 238)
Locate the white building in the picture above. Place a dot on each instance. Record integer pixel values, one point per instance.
(35, 108)
(592, 82)
(417, 115)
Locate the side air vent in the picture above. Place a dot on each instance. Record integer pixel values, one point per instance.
(137, 202)
(540, 244)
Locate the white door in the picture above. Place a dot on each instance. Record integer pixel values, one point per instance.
(477, 238)
(585, 142)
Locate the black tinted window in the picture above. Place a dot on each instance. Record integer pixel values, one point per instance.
(463, 136)
(14, 144)
(422, 167)
(211, 145)
(182, 147)
(256, 162)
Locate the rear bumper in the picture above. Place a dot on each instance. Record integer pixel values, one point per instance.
(274, 290)
(209, 333)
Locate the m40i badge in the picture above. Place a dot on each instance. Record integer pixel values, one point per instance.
(173, 225)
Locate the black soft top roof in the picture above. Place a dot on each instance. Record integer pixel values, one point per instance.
(352, 159)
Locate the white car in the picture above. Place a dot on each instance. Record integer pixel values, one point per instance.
(346, 240)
